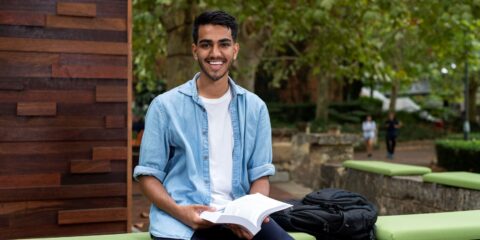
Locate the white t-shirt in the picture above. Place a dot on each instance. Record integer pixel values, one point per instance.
(220, 145)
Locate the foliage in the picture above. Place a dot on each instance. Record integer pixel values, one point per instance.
(458, 155)
(379, 42)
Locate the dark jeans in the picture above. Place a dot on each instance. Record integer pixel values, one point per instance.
(269, 231)
(391, 142)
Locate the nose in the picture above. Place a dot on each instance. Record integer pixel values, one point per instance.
(215, 51)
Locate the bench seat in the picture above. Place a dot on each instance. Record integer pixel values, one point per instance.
(386, 168)
(461, 225)
(456, 179)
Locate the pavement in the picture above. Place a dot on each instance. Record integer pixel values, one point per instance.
(420, 153)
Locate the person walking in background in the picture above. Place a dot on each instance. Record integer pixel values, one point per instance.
(369, 132)
(392, 125)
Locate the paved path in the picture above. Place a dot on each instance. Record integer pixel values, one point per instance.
(420, 153)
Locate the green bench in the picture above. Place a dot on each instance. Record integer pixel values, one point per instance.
(146, 236)
(386, 168)
(455, 179)
(461, 225)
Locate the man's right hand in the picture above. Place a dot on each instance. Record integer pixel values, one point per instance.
(190, 215)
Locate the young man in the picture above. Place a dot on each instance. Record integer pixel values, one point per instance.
(392, 125)
(205, 143)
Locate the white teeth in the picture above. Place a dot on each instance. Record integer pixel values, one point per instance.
(216, 63)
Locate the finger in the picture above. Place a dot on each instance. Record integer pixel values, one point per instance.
(266, 220)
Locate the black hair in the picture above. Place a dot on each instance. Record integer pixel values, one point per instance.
(216, 18)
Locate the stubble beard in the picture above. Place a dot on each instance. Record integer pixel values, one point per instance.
(214, 78)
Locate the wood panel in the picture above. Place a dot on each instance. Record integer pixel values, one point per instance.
(61, 134)
(62, 33)
(115, 175)
(33, 6)
(30, 180)
(59, 121)
(115, 122)
(111, 94)
(22, 18)
(56, 205)
(89, 166)
(93, 60)
(25, 70)
(46, 59)
(115, 24)
(109, 153)
(89, 72)
(92, 215)
(49, 230)
(11, 85)
(63, 83)
(63, 192)
(59, 46)
(29, 148)
(99, 109)
(36, 108)
(73, 96)
(77, 9)
(61, 63)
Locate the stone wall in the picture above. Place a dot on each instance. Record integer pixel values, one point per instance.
(400, 195)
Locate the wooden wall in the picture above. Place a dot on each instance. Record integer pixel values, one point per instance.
(65, 72)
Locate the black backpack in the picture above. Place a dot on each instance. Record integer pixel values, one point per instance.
(330, 214)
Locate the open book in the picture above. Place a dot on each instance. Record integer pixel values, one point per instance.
(248, 211)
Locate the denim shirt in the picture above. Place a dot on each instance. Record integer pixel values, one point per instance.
(175, 150)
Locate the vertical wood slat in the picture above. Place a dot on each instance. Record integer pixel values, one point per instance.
(36, 109)
(129, 118)
(89, 166)
(114, 24)
(29, 180)
(115, 122)
(111, 94)
(92, 215)
(109, 153)
(77, 9)
(22, 18)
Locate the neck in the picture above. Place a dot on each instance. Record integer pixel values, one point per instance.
(212, 89)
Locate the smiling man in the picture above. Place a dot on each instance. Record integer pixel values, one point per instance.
(206, 143)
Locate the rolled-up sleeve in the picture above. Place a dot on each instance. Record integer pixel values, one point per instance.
(260, 163)
(154, 149)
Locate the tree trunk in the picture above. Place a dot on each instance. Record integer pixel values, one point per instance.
(252, 46)
(321, 113)
(179, 65)
(472, 93)
(393, 96)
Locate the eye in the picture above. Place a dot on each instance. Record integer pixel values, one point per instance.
(225, 45)
(204, 45)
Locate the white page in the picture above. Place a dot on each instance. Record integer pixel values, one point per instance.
(248, 211)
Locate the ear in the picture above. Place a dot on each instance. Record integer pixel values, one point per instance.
(236, 48)
(194, 51)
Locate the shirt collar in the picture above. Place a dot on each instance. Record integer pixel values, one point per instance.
(190, 88)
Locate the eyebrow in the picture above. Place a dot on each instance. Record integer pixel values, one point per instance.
(224, 40)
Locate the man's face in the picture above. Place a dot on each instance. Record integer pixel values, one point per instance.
(215, 51)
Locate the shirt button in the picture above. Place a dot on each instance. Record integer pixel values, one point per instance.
(205, 158)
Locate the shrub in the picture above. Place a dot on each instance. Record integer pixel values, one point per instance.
(458, 155)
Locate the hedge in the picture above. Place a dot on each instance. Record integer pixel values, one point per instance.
(458, 155)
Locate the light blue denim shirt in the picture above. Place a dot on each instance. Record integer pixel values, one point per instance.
(174, 150)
